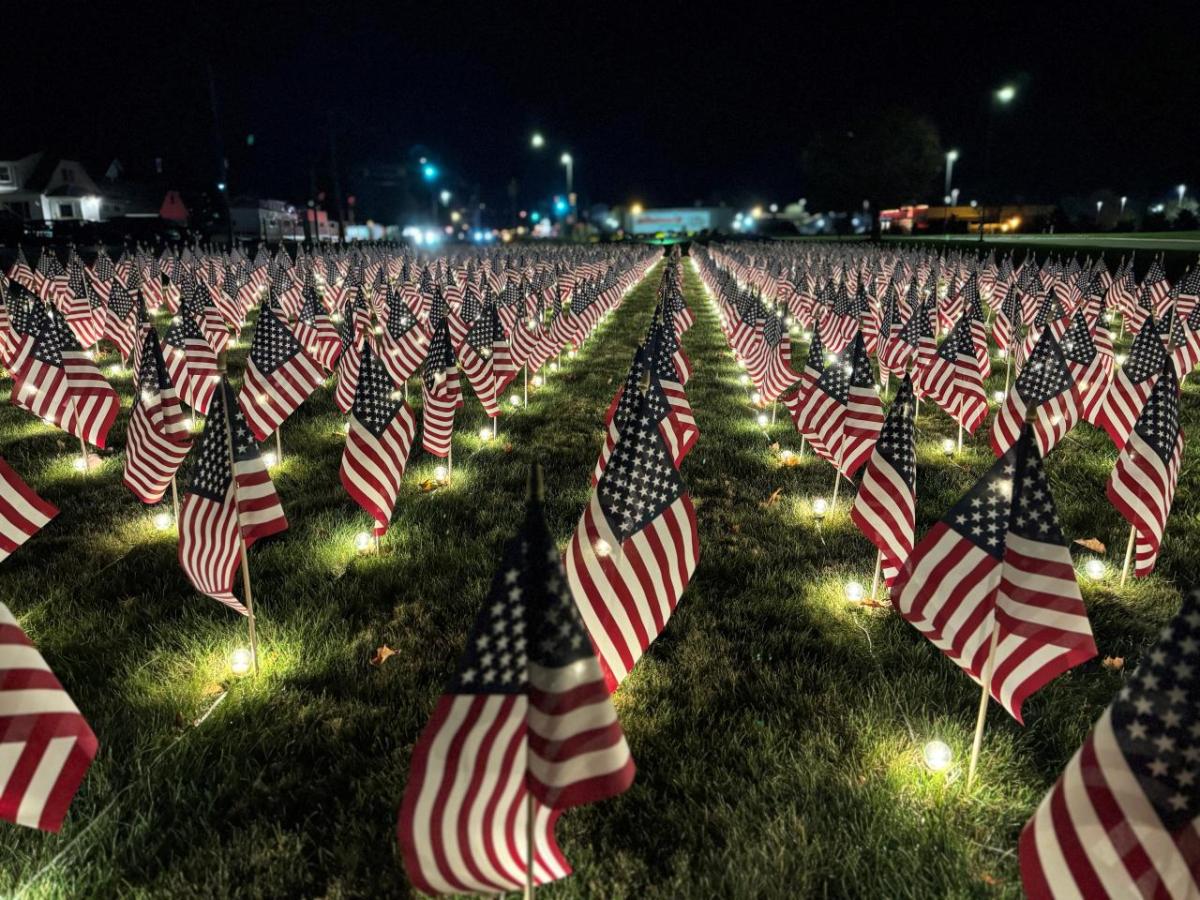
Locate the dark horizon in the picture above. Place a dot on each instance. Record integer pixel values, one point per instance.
(666, 105)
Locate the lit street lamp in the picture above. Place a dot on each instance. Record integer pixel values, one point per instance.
(537, 142)
(1181, 190)
(1006, 94)
(951, 158)
(567, 160)
(1121, 214)
(1003, 96)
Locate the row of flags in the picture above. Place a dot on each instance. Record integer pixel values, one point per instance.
(526, 727)
(1066, 372)
(992, 584)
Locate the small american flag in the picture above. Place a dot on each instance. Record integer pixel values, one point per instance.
(316, 331)
(441, 395)
(822, 414)
(279, 376)
(864, 411)
(47, 745)
(1131, 385)
(121, 320)
(403, 342)
(1044, 394)
(635, 547)
(1142, 485)
(525, 728)
(191, 363)
(1123, 820)
(951, 379)
(158, 439)
(378, 442)
(994, 577)
(22, 512)
(885, 508)
(1090, 369)
(209, 517)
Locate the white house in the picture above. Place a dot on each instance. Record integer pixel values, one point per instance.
(268, 220)
(42, 187)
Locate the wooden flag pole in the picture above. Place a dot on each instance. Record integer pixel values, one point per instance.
(960, 434)
(1128, 556)
(450, 459)
(174, 499)
(1007, 368)
(279, 444)
(774, 408)
(495, 426)
(837, 480)
(526, 384)
(529, 853)
(241, 537)
(988, 668)
(875, 577)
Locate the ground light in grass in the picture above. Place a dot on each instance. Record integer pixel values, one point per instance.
(820, 507)
(937, 756)
(163, 521)
(269, 459)
(763, 420)
(514, 401)
(948, 446)
(362, 542)
(240, 661)
(1095, 569)
(485, 435)
(537, 380)
(855, 591)
(998, 396)
(440, 473)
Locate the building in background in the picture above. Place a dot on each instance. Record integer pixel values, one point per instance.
(681, 220)
(266, 220)
(41, 187)
(1006, 218)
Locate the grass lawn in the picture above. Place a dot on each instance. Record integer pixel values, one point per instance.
(777, 729)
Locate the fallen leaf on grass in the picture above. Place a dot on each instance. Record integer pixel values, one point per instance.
(1091, 544)
(773, 499)
(381, 655)
(211, 688)
(735, 528)
(988, 878)
(508, 448)
(774, 448)
(1116, 663)
(429, 485)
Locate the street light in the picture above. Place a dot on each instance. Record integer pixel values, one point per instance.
(567, 160)
(1122, 213)
(1003, 96)
(537, 142)
(1181, 189)
(1006, 94)
(445, 197)
(951, 158)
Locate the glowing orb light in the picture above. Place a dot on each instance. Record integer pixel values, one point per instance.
(937, 756)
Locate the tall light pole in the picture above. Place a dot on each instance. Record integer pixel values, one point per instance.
(1121, 214)
(951, 158)
(1000, 97)
(567, 160)
(1181, 190)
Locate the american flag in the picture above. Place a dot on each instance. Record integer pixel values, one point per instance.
(402, 342)
(885, 508)
(679, 427)
(821, 414)
(22, 512)
(776, 375)
(952, 379)
(1044, 394)
(121, 320)
(210, 516)
(21, 273)
(191, 363)
(524, 728)
(1090, 369)
(1142, 486)
(914, 345)
(1156, 289)
(626, 403)
(995, 576)
(1123, 820)
(486, 360)
(55, 379)
(1131, 385)
(316, 331)
(48, 745)
(864, 411)
(440, 393)
(279, 376)
(158, 439)
(635, 548)
(378, 442)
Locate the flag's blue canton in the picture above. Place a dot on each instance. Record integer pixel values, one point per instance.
(183, 328)
(273, 344)
(631, 395)
(918, 326)
(119, 302)
(374, 406)
(981, 516)
(1077, 344)
(439, 359)
(1033, 514)
(1156, 719)
(400, 317)
(958, 342)
(1146, 355)
(835, 380)
(861, 375)
(495, 660)
(1158, 424)
(972, 305)
(816, 351)
(152, 376)
(640, 481)
(895, 442)
(486, 332)
(1045, 374)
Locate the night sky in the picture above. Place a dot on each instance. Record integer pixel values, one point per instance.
(667, 103)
